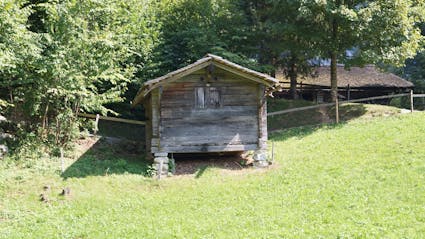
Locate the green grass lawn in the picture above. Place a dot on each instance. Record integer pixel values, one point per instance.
(361, 179)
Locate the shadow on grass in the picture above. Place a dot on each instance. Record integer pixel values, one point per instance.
(301, 132)
(348, 111)
(107, 156)
(303, 123)
(201, 171)
(321, 115)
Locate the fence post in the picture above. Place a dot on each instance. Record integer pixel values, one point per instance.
(96, 124)
(301, 90)
(337, 110)
(348, 92)
(411, 101)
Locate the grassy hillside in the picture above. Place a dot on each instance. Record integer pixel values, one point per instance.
(363, 179)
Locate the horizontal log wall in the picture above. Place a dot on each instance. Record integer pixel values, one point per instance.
(233, 126)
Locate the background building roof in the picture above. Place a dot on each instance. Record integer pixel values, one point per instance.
(356, 77)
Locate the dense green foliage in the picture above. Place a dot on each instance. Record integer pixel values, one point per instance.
(19, 49)
(61, 58)
(191, 29)
(363, 179)
(414, 70)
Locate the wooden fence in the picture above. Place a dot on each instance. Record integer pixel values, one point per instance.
(98, 117)
(411, 95)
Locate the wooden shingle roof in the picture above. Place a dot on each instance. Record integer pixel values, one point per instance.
(357, 77)
(209, 59)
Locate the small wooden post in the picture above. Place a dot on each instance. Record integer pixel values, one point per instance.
(96, 124)
(411, 101)
(348, 92)
(337, 110)
(62, 162)
(272, 151)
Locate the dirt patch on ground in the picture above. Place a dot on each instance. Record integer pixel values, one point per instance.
(187, 164)
(194, 165)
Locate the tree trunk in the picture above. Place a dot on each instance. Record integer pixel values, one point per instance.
(11, 95)
(44, 119)
(334, 81)
(293, 78)
(333, 54)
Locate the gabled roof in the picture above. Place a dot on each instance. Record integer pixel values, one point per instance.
(357, 77)
(209, 59)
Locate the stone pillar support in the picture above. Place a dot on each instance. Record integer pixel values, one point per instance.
(260, 158)
(160, 164)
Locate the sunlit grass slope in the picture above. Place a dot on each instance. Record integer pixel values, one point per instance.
(363, 179)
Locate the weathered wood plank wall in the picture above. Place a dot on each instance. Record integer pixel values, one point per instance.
(180, 124)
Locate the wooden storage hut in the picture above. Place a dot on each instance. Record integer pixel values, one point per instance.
(212, 105)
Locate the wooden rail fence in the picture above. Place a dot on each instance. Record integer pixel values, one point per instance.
(412, 96)
(98, 117)
(115, 119)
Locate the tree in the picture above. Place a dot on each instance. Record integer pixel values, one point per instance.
(82, 56)
(415, 71)
(188, 32)
(280, 38)
(382, 31)
(289, 39)
(92, 51)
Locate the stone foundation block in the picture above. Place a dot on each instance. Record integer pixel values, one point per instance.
(260, 156)
(164, 167)
(261, 164)
(260, 159)
(160, 164)
(158, 160)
